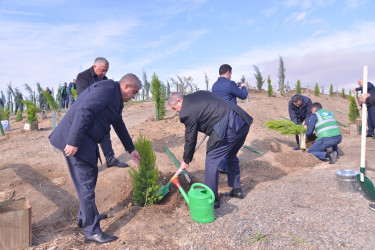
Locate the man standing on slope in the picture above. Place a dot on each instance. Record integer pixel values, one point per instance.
(84, 79)
(228, 90)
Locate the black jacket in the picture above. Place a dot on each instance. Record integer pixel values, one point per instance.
(370, 101)
(303, 113)
(86, 78)
(200, 112)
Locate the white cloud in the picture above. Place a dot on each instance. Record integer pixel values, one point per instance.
(352, 4)
(296, 17)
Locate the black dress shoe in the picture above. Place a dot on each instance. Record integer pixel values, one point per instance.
(116, 163)
(237, 192)
(222, 171)
(296, 148)
(369, 135)
(100, 238)
(332, 157)
(101, 217)
(217, 203)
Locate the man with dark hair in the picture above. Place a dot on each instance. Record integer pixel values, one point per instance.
(370, 108)
(78, 135)
(327, 131)
(228, 90)
(84, 80)
(226, 124)
(299, 111)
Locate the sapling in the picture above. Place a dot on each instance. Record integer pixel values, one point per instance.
(353, 110)
(285, 127)
(145, 189)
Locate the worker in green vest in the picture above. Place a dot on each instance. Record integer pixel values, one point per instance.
(327, 131)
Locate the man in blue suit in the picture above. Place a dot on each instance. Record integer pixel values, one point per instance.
(79, 132)
(229, 90)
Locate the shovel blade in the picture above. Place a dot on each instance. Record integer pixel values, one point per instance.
(164, 190)
(367, 187)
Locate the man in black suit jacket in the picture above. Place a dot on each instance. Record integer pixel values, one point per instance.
(84, 80)
(77, 135)
(226, 124)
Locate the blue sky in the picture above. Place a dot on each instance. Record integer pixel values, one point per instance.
(51, 41)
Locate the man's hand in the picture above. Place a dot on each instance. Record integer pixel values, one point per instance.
(135, 156)
(70, 150)
(184, 165)
(353, 90)
(363, 97)
(244, 85)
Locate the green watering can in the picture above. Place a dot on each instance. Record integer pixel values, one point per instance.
(200, 200)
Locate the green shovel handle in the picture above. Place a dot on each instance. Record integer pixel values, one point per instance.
(206, 187)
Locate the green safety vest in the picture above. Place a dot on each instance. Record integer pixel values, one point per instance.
(326, 126)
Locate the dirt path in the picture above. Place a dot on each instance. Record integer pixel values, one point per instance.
(292, 199)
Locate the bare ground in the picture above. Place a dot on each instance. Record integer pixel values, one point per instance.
(292, 199)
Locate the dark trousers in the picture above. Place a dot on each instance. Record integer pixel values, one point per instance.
(228, 149)
(107, 149)
(371, 120)
(317, 149)
(64, 102)
(299, 122)
(84, 176)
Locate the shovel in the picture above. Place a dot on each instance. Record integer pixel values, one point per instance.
(164, 189)
(366, 184)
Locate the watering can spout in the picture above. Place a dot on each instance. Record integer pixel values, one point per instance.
(175, 181)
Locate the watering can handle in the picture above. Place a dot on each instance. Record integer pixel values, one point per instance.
(206, 187)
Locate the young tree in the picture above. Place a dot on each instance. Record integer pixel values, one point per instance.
(331, 90)
(168, 90)
(269, 91)
(157, 91)
(207, 82)
(343, 93)
(316, 89)
(322, 89)
(281, 75)
(145, 189)
(353, 110)
(298, 87)
(146, 84)
(258, 77)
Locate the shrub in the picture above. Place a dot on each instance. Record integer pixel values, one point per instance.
(269, 91)
(19, 116)
(31, 111)
(298, 87)
(145, 189)
(158, 92)
(353, 110)
(331, 90)
(316, 89)
(343, 93)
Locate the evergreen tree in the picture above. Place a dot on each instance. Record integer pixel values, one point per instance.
(19, 116)
(353, 110)
(146, 85)
(269, 91)
(343, 93)
(145, 189)
(157, 91)
(258, 77)
(31, 111)
(281, 75)
(298, 87)
(207, 82)
(316, 89)
(322, 89)
(331, 90)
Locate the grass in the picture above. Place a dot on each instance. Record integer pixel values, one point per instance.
(257, 237)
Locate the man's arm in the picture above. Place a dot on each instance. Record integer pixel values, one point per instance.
(308, 112)
(292, 113)
(123, 134)
(191, 134)
(311, 125)
(82, 82)
(238, 92)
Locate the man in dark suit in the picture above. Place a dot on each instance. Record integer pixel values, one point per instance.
(77, 135)
(299, 110)
(84, 80)
(226, 124)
